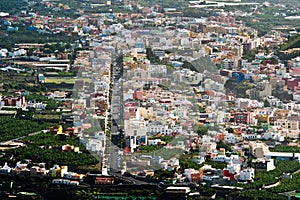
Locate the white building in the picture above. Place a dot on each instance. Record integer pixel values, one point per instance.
(186, 76)
(5, 169)
(159, 127)
(221, 158)
(263, 164)
(231, 138)
(273, 136)
(247, 174)
(154, 142)
(233, 168)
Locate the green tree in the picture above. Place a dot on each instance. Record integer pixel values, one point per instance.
(266, 103)
(202, 130)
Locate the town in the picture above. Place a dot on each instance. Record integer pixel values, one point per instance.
(152, 103)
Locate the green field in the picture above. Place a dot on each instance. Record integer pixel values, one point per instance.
(65, 80)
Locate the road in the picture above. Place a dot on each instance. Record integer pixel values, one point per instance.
(130, 179)
(117, 114)
(20, 138)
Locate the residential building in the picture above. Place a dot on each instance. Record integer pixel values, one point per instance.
(247, 174)
(258, 149)
(262, 164)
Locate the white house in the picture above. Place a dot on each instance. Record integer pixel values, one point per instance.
(231, 138)
(273, 136)
(247, 174)
(233, 168)
(154, 142)
(221, 158)
(5, 169)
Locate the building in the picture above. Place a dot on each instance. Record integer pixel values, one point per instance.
(258, 149)
(263, 89)
(56, 129)
(159, 52)
(5, 169)
(18, 101)
(177, 192)
(282, 156)
(228, 64)
(99, 179)
(241, 117)
(135, 131)
(193, 175)
(186, 76)
(263, 164)
(247, 174)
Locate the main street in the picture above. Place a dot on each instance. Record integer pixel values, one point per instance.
(116, 115)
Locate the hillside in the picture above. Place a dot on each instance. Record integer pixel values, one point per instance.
(293, 42)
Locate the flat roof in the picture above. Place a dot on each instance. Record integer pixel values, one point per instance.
(282, 154)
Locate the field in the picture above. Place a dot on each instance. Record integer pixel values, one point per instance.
(57, 80)
(12, 128)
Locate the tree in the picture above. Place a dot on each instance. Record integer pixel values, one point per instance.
(202, 130)
(222, 144)
(249, 55)
(266, 103)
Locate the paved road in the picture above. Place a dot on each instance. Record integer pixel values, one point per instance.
(117, 114)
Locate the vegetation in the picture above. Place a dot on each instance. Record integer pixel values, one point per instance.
(12, 128)
(249, 55)
(284, 96)
(186, 162)
(202, 130)
(153, 58)
(271, 177)
(261, 195)
(238, 88)
(25, 36)
(222, 144)
(285, 148)
(12, 6)
(287, 185)
(51, 103)
(293, 42)
(163, 174)
(148, 149)
(165, 138)
(47, 147)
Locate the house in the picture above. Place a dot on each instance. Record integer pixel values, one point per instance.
(56, 129)
(273, 135)
(5, 169)
(41, 78)
(193, 175)
(65, 182)
(258, 149)
(263, 164)
(37, 171)
(246, 174)
(154, 142)
(177, 192)
(231, 138)
(232, 168)
(134, 130)
(57, 171)
(282, 156)
(207, 147)
(221, 158)
(98, 179)
(18, 101)
(242, 117)
(171, 164)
